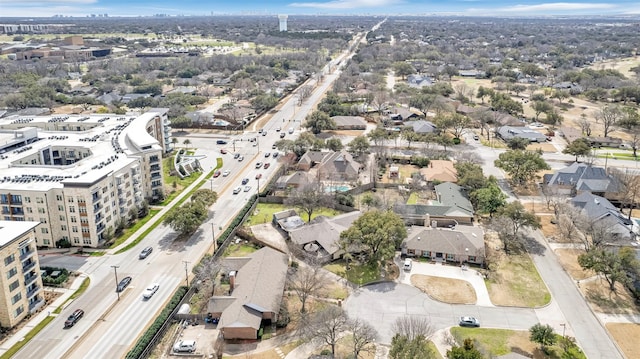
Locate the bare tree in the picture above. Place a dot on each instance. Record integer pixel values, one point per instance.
(364, 337)
(327, 325)
(207, 273)
(413, 326)
(629, 184)
(585, 125)
(309, 199)
(570, 219)
(609, 117)
(307, 281)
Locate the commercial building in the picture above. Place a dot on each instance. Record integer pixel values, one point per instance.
(80, 176)
(20, 282)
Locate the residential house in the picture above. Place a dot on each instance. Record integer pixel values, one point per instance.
(109, 98)
(601, 212)
(422, 126)
(439, 170)
(399, 114)
(581, 177)
(419, 81)
(451, 207)
(132, 96)
(350, 122)
(332, 166)
(257, 285)
(508, 132)
(319, 238)
(462, 245)
(287, 220)
(472, 73)
(297, 179)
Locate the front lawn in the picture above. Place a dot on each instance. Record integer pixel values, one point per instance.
(127, 232)
(358, 273)
(239, 250)
(264, 213)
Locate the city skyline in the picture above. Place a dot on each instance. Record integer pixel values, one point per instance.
(82, 8)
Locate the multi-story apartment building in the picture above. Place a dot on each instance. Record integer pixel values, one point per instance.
(80, 175)
(20, 281)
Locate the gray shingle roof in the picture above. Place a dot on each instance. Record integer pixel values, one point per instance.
(584, 178)
(324, 231)
(470, 241)
(599, 209)
(452, 195)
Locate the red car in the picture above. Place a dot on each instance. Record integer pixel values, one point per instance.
(223, 151)
(266, 165)
(259, 175)
(217, 174)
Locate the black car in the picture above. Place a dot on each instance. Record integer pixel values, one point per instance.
(245, 181)
(145, 252)
(73, 318)
(123, 284)
(221, 142)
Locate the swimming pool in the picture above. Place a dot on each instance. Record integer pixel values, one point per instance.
(341, 188)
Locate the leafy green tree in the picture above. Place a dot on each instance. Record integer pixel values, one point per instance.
(611, 265)
(579, 147)
(186, 143)
(319, 121)
(263, 102)
(540, 107)
(303, 143)
(470, 175)
(522, 166)
(518, 143)
(205, 196)
(359, 146)
(510, 219)
(403, 69)
(378, 136)
(404, 348)
(489, 199)
(466, 351)
(484, 92)
(422, 101)
(334, 144)
(378, 232)
(543, 335)
(504, 103)
(187, 218)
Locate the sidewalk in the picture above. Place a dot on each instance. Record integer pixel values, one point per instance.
(44, 313)
(159, 215)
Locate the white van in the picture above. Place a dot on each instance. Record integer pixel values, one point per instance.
(237, 190)
(407, 265)
(185, 346)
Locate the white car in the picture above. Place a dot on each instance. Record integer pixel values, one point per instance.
(185, 346)
(247, 188)
(150, 291)
(237, 190)
(226, 173)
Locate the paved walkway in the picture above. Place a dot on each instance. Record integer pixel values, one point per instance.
(44, 313)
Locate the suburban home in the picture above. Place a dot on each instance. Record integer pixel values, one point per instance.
(333, 166)
(470, 111)
(132, 96)
(509, 132)
(462, 245)
(580, 178)
(399, 114)
(422, 126)
(350, 122)
(472, 73)
(419, 81)
(571, 134)
(600, 211)
(297, 179)
(257, 285)
(319, 238)
(439, 170)
(450, 208)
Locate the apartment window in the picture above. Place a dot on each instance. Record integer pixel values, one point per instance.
(61, 218)
(58, 197)
(29, 210)
(16, 298)
(41, 210)
(70, 199)
(60, 208)
(63, 227)
(85, 230)
(9, 259)
(7, 218)
(13, 271)
(74, 229)
(46, 242)
(76, 240)
(30, 219)
(43, 220)
(86, 241)
(39, 200)
(72, 209)
(16, 198)
(27, 199)
(13, 286)
(44, 230)
(83, 209)
(74, 220)
(18, 311)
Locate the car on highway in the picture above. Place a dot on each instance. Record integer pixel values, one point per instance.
(145, 252)
(237, 190)
(185, 346)
(273, 147)
(73, 318)
(226, 173)
(221, 142)
(475, 137)
(266, 155)
(275, 154)
(259, 175)
(290, 130)
(278, 129)
(150, 291)
(245, 181)
(241, 158)
(235, 156)
(223, 151)
(266, 165)
(259, 164)
(247, 188)
(123, 284)
(217, 174)
(282, 134)
(469, 322)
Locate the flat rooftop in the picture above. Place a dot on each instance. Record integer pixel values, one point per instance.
(10, 230)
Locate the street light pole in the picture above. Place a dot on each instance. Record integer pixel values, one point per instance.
(115, 271)
(213, 234)
(186, 272)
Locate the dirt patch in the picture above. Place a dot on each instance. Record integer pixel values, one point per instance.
(548, 229)
(447, 290)
(602, 300)
(544, 147)
(626, 335)
(568, 258)
(347, 133)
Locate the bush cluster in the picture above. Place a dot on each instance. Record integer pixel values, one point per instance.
(237, 221)
(146, 338)
(50, 281)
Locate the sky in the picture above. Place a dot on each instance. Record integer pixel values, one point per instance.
(44, 8)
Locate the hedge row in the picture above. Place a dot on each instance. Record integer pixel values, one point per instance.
(238, 220)
(146, 338)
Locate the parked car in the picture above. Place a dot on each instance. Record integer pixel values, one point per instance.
(278, 129)
(290, 130)
(223, 151)
(150, 291)
(247, 188)
(273, 147)
(73, 318)
(259, 164)
(235, 156)
(145, 252)
(241, 158)
(226, 173)
(407, 265)
(475, 137)
(237, 190)
(266, 165)
(469, 322)
(221, 142)
(264, 133)
(245, 181)
(282, 134)
(266, 155)
(275, 154)
(123, 284)
(185, 346)
(259, 175)
(217, 174)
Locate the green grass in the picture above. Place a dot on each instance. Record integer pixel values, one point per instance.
(32, 333)
(131, 230)
(493, 341)
(97, 254)
(618, 156)
(180, 183)
(264, 213)
(413, 198)
(522, 283)
(358, 273)
(239, 250)
(83, 287)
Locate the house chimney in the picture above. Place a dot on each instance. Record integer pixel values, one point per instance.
(232, 281)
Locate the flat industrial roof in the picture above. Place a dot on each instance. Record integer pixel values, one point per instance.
(10, 230)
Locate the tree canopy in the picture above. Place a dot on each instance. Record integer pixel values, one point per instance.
(522, 166)
(379, 233)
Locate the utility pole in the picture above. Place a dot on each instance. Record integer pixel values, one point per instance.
(115, 271)
(186, 271)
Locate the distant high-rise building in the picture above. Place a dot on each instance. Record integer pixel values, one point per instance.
(283, 22)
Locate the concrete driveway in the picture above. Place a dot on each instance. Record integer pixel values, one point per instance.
(467, 274)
